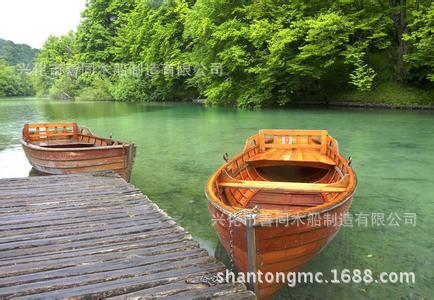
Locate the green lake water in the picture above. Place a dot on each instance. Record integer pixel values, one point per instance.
(180, 145)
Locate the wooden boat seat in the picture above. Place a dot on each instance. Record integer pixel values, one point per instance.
(294, 157)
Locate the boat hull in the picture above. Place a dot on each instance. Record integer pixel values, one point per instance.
(72, 161)
(283, 247)
(287, 195)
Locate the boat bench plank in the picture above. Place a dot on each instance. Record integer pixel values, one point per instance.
(114, 245)
(340, 186)
(285, 186)
(67, 144)
(291, 156)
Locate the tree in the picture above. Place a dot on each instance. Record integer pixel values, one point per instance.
(54, 61)
(98, 29)
(13, 82)
(421, 40)
(274, 50)
(248, 53)
(151, 39)
(15, 54)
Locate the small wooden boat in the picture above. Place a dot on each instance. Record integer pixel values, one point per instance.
(272, 204)
(66, 148)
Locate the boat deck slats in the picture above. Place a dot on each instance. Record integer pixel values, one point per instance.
(93, 236)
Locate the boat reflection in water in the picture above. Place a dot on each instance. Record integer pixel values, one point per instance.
(33, 172)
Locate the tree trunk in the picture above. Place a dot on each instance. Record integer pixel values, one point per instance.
(400, 20)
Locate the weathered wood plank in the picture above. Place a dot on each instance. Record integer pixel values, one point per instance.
(14, 251)
(36, 213)
(80, 221)
(179, 289)
(48, 216)
(68, 200)
(78, 232)
(138, 248)
(95, 278)
(219, 290)
(128, 285)
(81, 267)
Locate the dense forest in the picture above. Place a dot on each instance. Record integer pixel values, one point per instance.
(15, 54)
(15, 61)
(247, 52)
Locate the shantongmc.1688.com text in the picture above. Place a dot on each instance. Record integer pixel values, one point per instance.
(335, 276)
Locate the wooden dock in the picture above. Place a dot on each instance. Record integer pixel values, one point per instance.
(96, 236)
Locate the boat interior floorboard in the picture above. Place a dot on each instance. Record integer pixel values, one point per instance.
(284, 201)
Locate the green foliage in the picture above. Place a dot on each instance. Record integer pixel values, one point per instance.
(129, 88)
(362, 77)
(13, 82)
(64, 87)
(421, 37)
(272, 52)
(98, 90)
(15, 54)
(386, 93)
(15, 59)
(152, 36)
(98, 29)
(51, 64)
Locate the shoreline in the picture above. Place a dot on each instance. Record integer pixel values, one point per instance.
(368, 105)
(359, 105)
(321, 104)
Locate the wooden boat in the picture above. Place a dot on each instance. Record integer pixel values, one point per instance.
(272, 204)
(66, 148)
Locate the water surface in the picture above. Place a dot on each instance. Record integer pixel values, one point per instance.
(180, 145)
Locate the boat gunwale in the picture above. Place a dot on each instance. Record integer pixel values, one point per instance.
(321, 209)
(60, 149)
(229, 210)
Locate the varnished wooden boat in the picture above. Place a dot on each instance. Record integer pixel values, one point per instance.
(273, 205)
(65, 148)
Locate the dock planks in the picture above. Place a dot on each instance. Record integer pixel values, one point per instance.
(95, 236)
